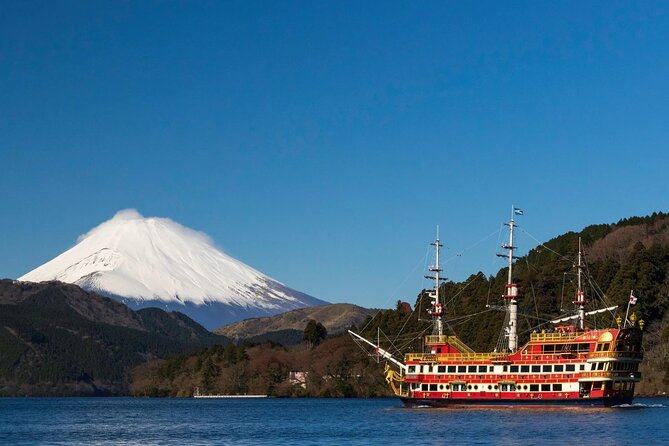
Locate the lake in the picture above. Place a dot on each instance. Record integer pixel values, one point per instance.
(145, 421)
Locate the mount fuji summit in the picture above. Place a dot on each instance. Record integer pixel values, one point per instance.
(156, 262)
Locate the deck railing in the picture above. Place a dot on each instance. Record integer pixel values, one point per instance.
(560, 336)
(435, 339)
(442, 357)
(452, 340)
(616, 355)
(636, 375)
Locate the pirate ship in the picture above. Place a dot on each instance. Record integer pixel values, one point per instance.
(568, 364)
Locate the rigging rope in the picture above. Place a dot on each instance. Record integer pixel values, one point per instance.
(544, 246)
(492, 263)
(422, 259)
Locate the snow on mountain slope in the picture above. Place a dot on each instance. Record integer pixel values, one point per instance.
(157, 262)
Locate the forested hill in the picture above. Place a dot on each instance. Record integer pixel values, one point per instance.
(632, 254)
(57, 339)
(286, 328)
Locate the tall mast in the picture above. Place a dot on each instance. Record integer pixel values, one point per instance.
(511, 288)
(437, 307)
(580, 301)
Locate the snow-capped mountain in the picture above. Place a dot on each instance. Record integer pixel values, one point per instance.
(155, 262)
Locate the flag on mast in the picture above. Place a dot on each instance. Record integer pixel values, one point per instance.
(633, 298)
(517, 211)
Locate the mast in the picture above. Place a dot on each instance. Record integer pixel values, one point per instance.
(436, 302)
(511, 288)
(580, 301)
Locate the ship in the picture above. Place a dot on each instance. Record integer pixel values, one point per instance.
(568, 363)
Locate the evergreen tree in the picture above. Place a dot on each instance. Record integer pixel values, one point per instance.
(314, 333)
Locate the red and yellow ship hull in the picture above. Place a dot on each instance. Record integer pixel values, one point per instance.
(590, 368)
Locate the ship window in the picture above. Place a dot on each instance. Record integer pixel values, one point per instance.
(558, 368)
(491, 369)
(441, 369)
(489, 387)
(534, 387)
(536, 368)
(462, 369)
(570, 367)
(483, 368)
(476, 387)
(469, 387)
(441, 387)
(546, 368)
(433, 387)
(514, 369)
(448, 386)
(505, 387)
(545, 387)
(505, 368)
(472, 369)
(451, 369)
(557, 387)
(512, 387)
(412, 369)
(495, 386)
(582, 367)
(525, 387)
(424, 387)
(524, 368)
(429, 369)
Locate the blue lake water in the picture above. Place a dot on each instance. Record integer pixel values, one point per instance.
(135, 421)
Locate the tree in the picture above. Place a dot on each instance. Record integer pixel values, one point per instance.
(314, 333)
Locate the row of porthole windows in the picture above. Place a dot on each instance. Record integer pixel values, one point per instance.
(475, 387)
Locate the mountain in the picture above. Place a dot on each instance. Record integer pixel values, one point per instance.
(57, 339)
(155, 262)
(288, 327)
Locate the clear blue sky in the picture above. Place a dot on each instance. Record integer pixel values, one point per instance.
(322, 142)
